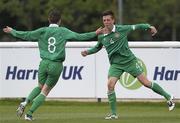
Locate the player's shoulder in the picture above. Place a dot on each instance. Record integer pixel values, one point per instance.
(41, 29)
(119, 26)
(101, 35)
(63, 28)
(122, 26)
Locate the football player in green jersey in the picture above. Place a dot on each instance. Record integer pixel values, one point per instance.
(122, 59)
(51, 43)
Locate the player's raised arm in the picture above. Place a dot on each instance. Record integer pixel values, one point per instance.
(70, 35)
(152, 29)
(141, 26)
(26, 35)
(92, 50)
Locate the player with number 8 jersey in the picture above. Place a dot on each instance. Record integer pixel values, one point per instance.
(51, 41)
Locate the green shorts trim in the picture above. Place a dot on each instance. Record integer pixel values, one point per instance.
(49, 72)
(133, 68)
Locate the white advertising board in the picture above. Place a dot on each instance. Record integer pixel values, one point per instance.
(87, 77)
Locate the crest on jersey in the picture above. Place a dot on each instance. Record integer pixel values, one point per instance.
(116, 35)
(111, 41)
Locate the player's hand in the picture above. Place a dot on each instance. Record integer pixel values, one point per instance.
(105, 30)
(153, 30)
(7, 29)
(84, 53)
(99, 31)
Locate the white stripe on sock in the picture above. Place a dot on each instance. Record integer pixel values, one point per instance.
(43, 93)
(152, 84)
(110, 92)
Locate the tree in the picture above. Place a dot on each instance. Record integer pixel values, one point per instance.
(85, 15)
(163, 14)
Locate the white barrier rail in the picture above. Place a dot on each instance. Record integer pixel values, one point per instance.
(145, 44)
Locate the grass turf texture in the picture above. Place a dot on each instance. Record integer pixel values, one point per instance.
(92, 112)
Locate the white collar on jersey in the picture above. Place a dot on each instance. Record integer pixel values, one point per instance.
(53, 25)
(113, 30)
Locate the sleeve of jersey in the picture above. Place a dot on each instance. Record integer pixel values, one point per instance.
(140, 26)
(27, 35)
(95, 49)
(70, 35)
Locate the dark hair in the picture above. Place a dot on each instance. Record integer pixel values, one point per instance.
(108, 12)
(54, 16)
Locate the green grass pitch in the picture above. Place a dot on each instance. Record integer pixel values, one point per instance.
(92, 112)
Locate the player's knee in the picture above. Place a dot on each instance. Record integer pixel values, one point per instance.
(147, 84)
(40, 86)
(111, 86)
(46, 89)
(145, 81)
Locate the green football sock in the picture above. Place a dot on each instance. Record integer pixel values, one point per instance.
(33, 94)
(112, 101)
(36, 103)
(158, 89)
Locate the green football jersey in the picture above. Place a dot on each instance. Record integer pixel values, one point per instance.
(52, 40)
(116, 43)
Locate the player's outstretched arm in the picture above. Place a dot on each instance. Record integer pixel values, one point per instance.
(92, 50)
(26, 35)
(70, 35)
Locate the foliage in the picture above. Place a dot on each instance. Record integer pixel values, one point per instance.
(85, 15)
(163, 14)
